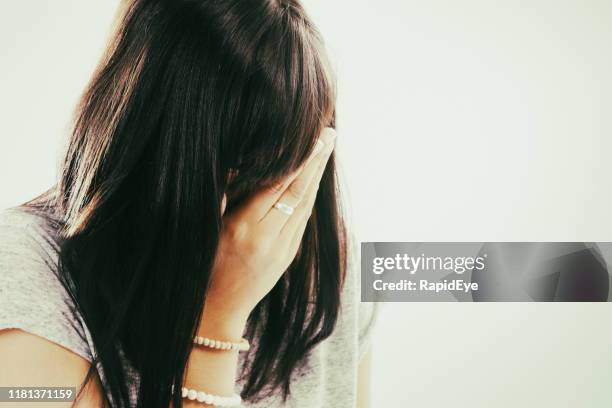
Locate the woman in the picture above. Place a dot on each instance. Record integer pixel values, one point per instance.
(197, 205)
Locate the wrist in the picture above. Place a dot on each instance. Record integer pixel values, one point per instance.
(220, 323)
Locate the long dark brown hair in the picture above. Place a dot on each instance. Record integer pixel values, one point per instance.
(189, 93)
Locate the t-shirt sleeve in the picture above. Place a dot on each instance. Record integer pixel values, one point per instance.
(367, 319)
(367, 312)
(32, 298)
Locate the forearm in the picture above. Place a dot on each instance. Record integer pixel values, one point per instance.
(210, 370)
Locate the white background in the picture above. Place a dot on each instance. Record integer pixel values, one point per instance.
(471, 120)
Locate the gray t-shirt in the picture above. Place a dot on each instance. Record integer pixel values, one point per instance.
(33, 300)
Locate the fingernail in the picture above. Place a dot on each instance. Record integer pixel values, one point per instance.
(318, 146)
(333, 134)
(329, 135)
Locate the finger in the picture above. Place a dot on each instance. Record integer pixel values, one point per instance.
(291, 198)
(293, 230)
(223, 204)
(258, 205)
(294, 233)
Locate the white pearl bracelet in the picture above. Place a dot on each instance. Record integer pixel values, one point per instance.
(214, 400)
(242, 345)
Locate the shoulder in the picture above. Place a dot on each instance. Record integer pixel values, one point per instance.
(32, 297)
(27, 237)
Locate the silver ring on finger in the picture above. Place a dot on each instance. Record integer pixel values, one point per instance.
(284, 208)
